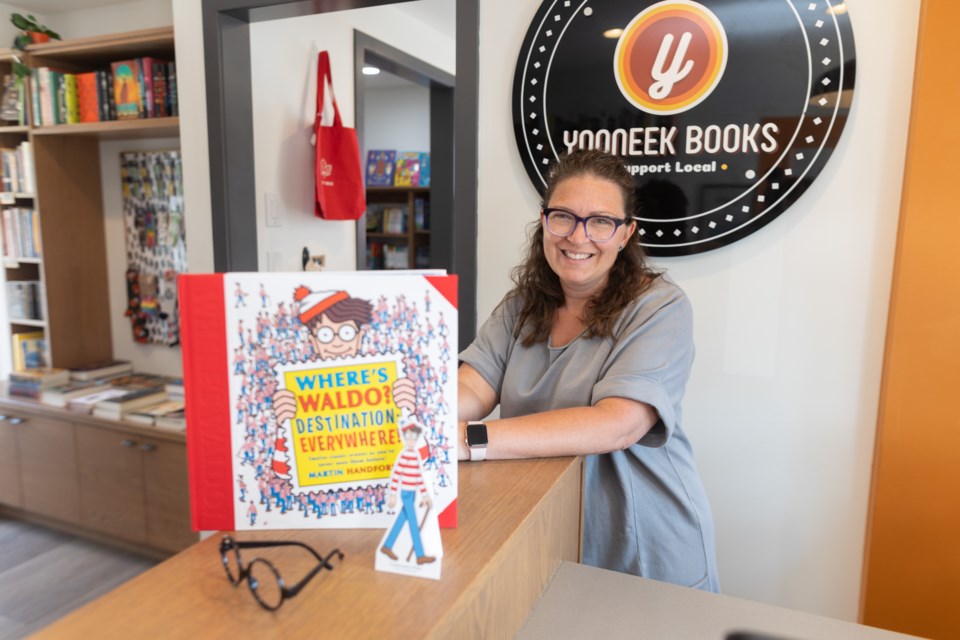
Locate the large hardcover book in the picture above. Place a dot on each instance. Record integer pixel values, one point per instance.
(424, 178)
(127, 89)
(296, 398)
(87, 96)
(407, 171)
(380, 167)
(71, 99)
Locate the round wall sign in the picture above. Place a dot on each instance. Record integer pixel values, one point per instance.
(724, 111)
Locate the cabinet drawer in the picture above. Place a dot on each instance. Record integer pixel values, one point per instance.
(111, 482)
(48, 467)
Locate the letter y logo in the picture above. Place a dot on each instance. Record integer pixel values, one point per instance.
(670, 57)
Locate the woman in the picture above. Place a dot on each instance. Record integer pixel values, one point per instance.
(589, 355)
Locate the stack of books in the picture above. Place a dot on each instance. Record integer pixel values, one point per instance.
(101, 370)
(166, 414)
(32, 382)
(119, 406)
(61, 395)
(116, 396)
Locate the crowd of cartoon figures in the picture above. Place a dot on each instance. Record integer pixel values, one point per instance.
(278, 337)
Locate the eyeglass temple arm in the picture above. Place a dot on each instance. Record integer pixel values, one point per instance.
(293, 590)
(254, 544)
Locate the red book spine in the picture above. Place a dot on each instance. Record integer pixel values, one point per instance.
(87, 95)
(206, 385)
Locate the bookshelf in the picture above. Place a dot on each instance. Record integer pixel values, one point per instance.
(22, 252)
(398, 227)
(72, 267)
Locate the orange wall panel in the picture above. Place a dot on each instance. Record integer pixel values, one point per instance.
(912, 557)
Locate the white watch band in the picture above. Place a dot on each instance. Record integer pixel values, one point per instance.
(478, 453)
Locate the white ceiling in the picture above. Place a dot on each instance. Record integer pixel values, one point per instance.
(439, 14)
(59, 6)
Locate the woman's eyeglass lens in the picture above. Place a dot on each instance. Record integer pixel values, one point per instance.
(598, 228)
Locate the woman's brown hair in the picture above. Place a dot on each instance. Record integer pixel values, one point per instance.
(538, 287)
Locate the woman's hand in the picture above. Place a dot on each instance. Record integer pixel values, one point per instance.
(405, 394)
(284, 405)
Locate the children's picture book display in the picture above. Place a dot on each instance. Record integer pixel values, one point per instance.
(391, 168)
(307, 391)
(380, 167)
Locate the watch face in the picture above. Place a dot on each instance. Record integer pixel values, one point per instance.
(477, 434)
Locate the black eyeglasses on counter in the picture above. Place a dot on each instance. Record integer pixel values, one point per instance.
(265, 582)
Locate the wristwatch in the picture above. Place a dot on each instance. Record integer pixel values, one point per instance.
(477, 440)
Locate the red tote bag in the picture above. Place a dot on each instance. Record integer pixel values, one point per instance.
(339, 179)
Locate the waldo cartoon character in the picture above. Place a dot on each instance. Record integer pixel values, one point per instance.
(407, 480)
(336, 322)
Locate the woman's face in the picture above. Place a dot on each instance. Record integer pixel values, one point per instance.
(582, 264)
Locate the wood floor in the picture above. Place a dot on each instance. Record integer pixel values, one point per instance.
(46, 574)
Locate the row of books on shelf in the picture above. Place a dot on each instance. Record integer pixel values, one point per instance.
(24, 300)
(21, 233)
(382, 255)
(389, 168)
(393, 219)
(106, 390)
(18, 175)
(128, 90)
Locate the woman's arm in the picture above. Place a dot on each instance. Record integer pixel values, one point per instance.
(610, 425)
(475, 398)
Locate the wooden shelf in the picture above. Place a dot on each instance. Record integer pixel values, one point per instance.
(28, 323)
(125, 129)
(68, 185)
(87, 53)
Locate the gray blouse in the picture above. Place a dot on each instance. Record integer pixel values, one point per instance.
(645, 510)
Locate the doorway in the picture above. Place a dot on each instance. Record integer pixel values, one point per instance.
(405, 80)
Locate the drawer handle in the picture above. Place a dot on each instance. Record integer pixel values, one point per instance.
(148, 447)
(17, 420)
(127, 442)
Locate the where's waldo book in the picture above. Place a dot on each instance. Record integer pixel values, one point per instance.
(302, 390)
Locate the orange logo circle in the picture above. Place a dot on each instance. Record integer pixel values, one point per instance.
(670, 57)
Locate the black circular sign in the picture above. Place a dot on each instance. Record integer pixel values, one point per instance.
(724, 111)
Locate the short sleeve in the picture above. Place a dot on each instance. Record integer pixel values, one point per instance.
(490, 351)
(651, 358)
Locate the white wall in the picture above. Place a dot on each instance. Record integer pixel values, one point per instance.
(284, 54)
(116, 18)
(790, 324)
(396, 118)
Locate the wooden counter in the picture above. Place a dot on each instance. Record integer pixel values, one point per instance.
(518, 521)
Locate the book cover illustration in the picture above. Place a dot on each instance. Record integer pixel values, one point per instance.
(380, 167)
(407, 171)
(320, 373)
(126, 89)
(424, 170)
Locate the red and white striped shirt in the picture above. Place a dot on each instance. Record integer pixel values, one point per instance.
(406, 473)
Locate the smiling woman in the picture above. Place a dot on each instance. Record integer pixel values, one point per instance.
(589, 354)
